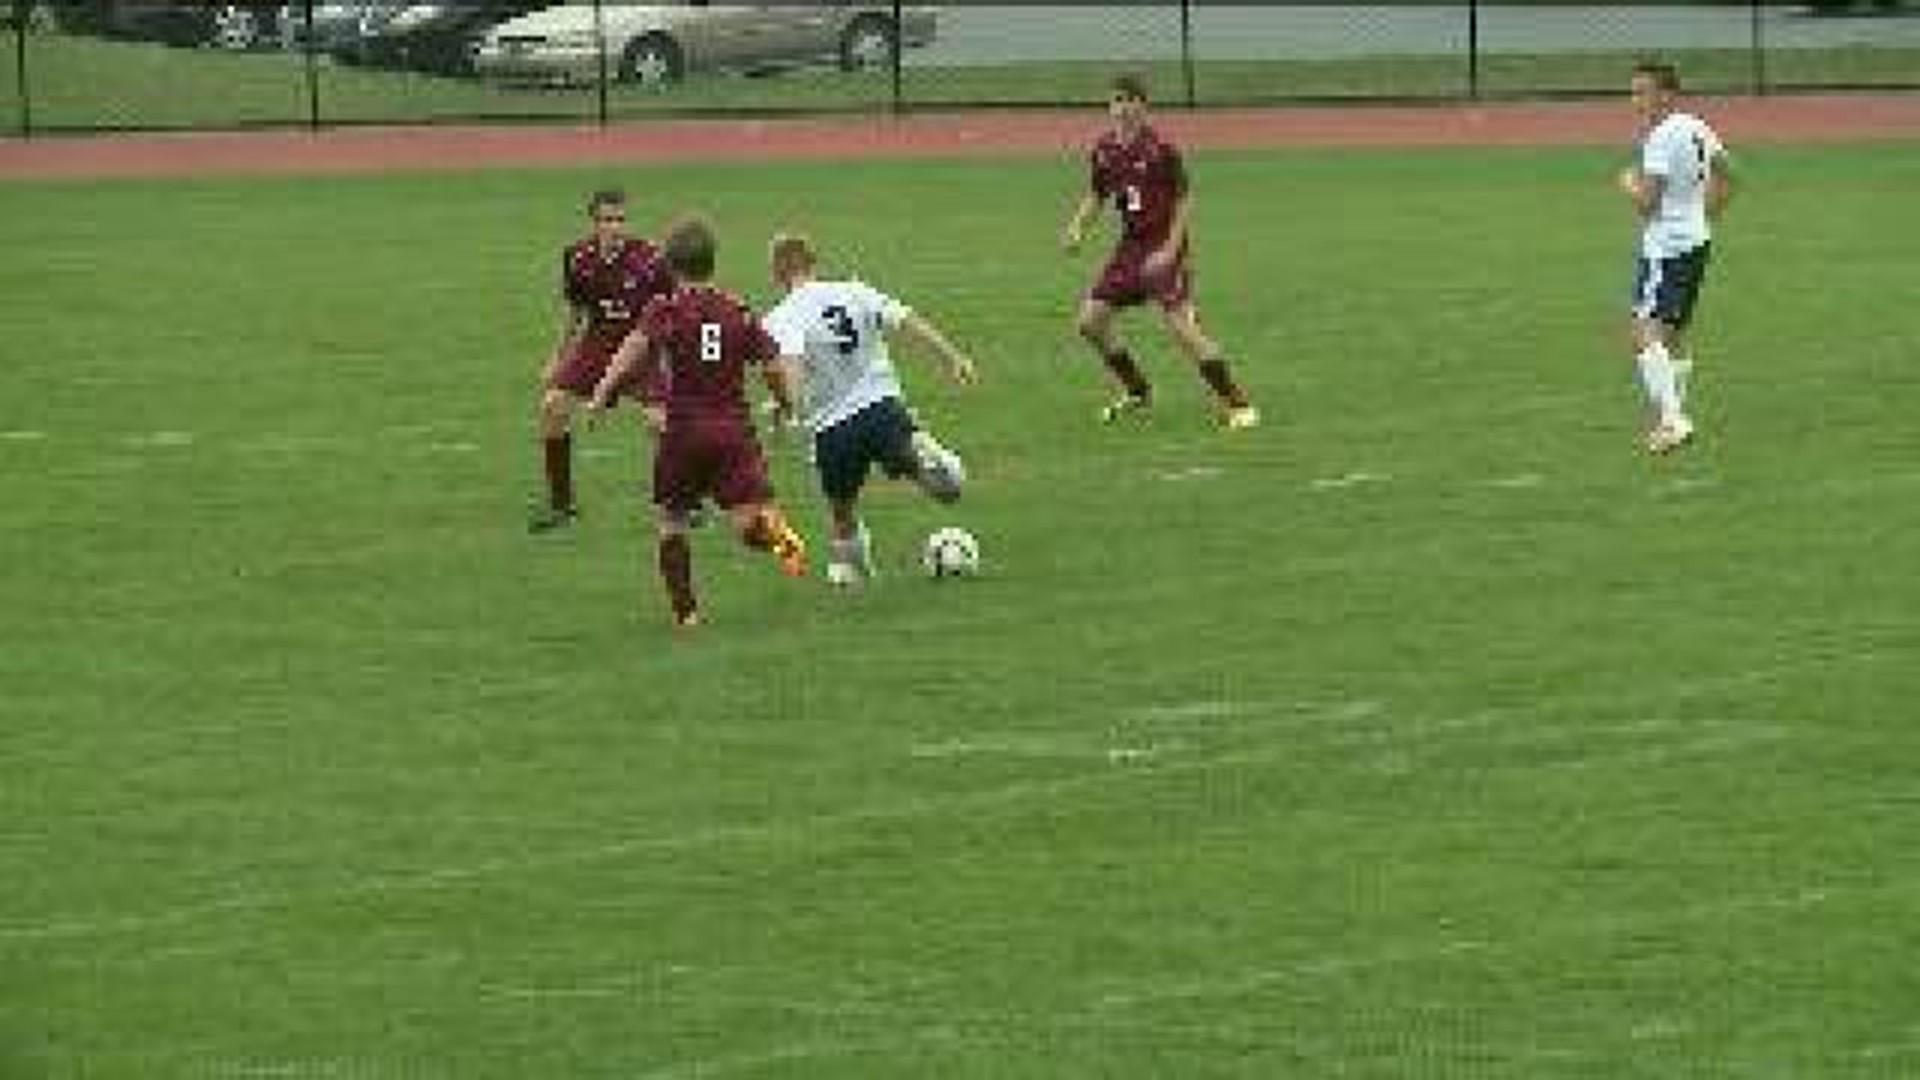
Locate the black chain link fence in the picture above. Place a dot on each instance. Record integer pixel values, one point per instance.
(98, 65)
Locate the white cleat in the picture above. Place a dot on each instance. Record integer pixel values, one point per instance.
(1241, 418)
(1670, 435)
(1124, 406)
(941, 470)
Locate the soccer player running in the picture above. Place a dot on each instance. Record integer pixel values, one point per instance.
(1144, 176)
(606, 278)
(1681, 181)
(833, 332)
(703, 339)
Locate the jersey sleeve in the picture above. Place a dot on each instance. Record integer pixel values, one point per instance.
(784, 326)
(1176, 172)
(887, 310)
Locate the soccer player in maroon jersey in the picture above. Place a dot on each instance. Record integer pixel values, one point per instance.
(703, 339)
(1144, 176)
(606, 279)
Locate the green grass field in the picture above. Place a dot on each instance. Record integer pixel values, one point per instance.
(1429, 731)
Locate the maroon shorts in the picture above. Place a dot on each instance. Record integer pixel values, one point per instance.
(708, 457)
(1125, 282)
(580, 372)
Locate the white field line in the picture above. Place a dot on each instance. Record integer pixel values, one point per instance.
(994, 800)
(23, 435)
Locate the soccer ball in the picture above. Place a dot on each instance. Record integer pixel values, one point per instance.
(950, 552)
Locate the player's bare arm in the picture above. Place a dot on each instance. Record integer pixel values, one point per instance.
(781, 375)
(573, 327)
(631, 350)
(1644, 189)
(1720, 184)
(1076, 230)
(960, 367)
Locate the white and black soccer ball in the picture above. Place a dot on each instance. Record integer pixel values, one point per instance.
(950, 552)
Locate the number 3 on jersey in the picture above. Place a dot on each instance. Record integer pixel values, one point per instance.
(710, 342)
(841, 330)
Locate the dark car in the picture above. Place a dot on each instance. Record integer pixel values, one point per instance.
(235, 26)
(435, 38)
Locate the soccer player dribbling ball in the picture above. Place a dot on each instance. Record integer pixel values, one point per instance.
(703, 339)
(1682, 180)
(833, 333)
(1145, 178)
(606, 279)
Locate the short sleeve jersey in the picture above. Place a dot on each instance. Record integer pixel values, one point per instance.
(1681, 150)
(705, 338)
(614, 287)
(1144, 176)
(837, 330)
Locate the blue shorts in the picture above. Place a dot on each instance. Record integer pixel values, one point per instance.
(880, 434)
(1666, 290)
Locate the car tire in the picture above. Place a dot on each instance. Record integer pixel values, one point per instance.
(869, 44)
(654, 60)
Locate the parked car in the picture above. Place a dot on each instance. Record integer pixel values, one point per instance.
(435, 38)
(232, 26)
(336, 29)
(660, 43)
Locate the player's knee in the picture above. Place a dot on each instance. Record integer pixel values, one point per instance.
(555, 407)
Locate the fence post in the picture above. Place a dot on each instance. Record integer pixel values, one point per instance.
(600, 57)
(21, 10)
(893, 65)
(309, 46)
(1473, 50)
(1759, 47)
(1186, 50)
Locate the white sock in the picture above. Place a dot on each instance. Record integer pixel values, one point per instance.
(1658, 379)
(1682, 372)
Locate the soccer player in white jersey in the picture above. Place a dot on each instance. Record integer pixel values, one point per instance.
(1681, 181)
(834, 333)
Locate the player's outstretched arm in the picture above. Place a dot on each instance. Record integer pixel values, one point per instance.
(1720, 183)
(960, 366)
(1076, 230)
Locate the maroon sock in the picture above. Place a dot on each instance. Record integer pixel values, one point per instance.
(676, 569)
(1120, 362)
(559, 455)
(1217, 376)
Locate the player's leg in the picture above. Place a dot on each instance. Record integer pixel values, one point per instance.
(1183, 323)
(1094, 324)
(740, 486)
(555, 422)
(850, 560)
(675, 559)
(891, 437)
(841, 458)
(1653, 361)
(678, 485)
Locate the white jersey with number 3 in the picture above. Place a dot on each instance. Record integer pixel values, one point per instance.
(1682, 151)
(837, 331)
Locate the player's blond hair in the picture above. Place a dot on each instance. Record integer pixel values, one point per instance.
(791, 251)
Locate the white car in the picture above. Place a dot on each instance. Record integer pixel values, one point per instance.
(660, 43)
